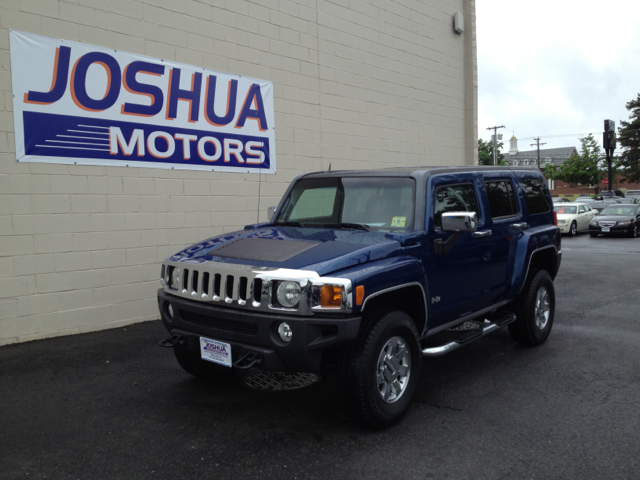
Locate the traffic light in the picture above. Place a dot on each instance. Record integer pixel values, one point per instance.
(609, 140)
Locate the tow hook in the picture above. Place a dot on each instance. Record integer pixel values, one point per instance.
(247, 360)
(173, 341)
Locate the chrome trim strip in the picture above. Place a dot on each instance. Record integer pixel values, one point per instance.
(529, 264)
(398, 287)
(461, 320)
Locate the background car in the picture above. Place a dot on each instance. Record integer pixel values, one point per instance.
(628, 200)
(632, 193)
(559, 200)
(616, 219)
(584, 199)
(574, 217)
(610, 193)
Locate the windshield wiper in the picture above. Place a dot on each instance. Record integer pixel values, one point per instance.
(355, 226)
(290, 224)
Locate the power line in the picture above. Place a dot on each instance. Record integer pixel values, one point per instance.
(538, 144)
(495, 141)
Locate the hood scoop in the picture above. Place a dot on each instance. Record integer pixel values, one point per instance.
(262, 249)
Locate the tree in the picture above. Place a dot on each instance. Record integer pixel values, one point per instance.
(485, 153)
(629, 139)
(584, 168)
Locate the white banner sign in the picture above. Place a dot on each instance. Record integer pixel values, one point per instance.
(78, 103)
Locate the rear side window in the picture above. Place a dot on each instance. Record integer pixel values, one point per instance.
(502, 199)
(535, 196)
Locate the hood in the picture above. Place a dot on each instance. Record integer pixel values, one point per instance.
(615, 218)
(323, 250)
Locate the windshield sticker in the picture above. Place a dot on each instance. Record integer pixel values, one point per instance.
(398, 221)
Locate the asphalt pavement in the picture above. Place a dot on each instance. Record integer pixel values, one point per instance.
(114, 405)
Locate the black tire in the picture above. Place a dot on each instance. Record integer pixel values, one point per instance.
(194, 365)
(532, 327)
(634, 231)
(593, 235)
(573, 229)
(373, 366)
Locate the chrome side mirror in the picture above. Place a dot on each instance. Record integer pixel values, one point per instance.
(270, 212)
(459, 222)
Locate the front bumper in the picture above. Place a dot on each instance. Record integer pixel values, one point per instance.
(615, 230)
(257, 332)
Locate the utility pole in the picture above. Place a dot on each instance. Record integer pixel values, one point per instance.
(495, 141)
(538, 144)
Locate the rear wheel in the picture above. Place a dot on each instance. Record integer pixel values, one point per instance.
(382, 370)
(535, 308)
(193, 364)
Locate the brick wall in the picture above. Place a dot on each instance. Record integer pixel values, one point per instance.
(374, 84)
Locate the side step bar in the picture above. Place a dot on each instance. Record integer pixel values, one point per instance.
(496, 321)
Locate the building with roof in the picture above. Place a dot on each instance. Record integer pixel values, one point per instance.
(130, 129)
(553, 156)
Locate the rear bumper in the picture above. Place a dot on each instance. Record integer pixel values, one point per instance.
(253, 332)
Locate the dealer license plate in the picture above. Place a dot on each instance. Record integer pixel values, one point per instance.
(606, 229)
(215, 351)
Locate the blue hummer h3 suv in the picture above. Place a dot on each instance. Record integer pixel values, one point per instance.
(368, 272)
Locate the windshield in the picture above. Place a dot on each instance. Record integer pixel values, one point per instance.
(565, 209)
(619, 210)
(378, 203)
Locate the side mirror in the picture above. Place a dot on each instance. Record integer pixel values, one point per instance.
(270, 212)
(459, 222)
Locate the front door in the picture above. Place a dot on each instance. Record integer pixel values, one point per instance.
(471, 273)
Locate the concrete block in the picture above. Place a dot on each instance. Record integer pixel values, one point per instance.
(55, 282)
(71, 262)
(53, 243)
(51, 204)
(92, 278)
(108, 258)
(90, 241)
(106, 222)
(89, 203)
(124, 239)
(141, 256)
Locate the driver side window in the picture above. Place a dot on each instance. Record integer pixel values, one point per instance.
(454, 198)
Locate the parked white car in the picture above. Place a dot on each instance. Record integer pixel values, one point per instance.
(574, 217)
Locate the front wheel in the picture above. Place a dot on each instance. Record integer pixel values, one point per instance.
(634, 231)
(535, 308)
(593, 235)
(382, 371)
(573, 229)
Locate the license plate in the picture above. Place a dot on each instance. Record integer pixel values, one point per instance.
(215, 351)
(606, 229)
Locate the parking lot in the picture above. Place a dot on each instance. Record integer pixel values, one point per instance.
(113, 404)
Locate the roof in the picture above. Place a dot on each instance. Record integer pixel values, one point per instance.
(409, 171)
(554, 156)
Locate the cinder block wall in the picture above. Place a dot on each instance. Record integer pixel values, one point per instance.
(378, 83)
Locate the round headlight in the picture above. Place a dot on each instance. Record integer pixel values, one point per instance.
(175, 278)
(288, 294)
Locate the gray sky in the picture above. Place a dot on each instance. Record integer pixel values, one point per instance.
(551, 68)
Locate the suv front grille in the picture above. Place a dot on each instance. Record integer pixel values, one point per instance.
(246, 327)
(220, 283)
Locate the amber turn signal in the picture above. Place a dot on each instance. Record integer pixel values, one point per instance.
(330, 296)
(359, 294)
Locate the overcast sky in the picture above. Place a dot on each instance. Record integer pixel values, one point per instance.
(555, 68)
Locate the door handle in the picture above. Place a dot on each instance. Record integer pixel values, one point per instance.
(483, 234)
(519, 226)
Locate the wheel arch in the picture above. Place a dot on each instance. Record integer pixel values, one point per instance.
(409, 298)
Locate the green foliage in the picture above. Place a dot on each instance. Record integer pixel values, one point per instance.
(629, 140)
(485, 153)
(586, 168)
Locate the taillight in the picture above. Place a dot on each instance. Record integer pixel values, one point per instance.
(555, 218)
